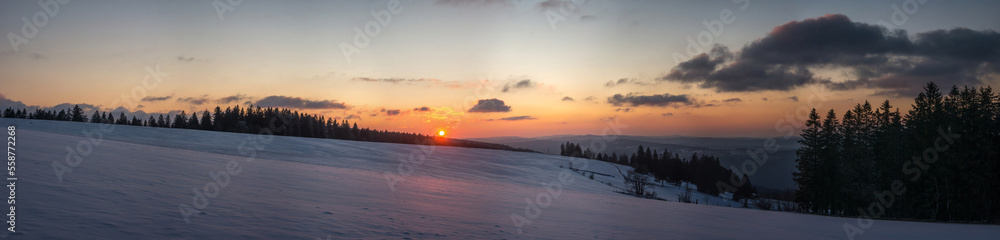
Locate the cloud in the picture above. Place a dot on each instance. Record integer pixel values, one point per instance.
(475, 2)
(185, 59)
(422, 109)
(700, 67)
(390, 80)
(517, 118)
(589, 18)
(8, 103)
(623, 109)
(299, 103)
(567, 98)
(422, 81)
(392, 112)
(490, 105)
(156, 99)
(34, 56)
(624, 81)
(733, 100)
(794, 98)
(661, 100)
(234, 98)
(667, 114)
(195, 100)
(873, 56)
(523, 84)
(591, 98)
(556, 5)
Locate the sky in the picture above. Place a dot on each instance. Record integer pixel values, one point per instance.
(485, 68)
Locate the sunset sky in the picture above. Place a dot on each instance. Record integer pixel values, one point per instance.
(559, 67)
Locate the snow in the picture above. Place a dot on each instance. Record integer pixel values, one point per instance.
(131, 184)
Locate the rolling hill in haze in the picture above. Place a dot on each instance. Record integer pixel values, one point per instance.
(776, 173)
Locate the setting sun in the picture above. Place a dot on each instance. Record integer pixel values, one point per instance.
(441, 133)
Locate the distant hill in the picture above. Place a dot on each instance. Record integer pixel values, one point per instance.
(776, 173)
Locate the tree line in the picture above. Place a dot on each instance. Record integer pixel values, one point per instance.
(280, 121)
(939, 161)
(703, 171)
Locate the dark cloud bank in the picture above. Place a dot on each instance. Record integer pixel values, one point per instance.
(893, 62)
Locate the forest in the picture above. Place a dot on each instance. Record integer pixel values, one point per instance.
(257, 120)
(936, 162)
(703, 171)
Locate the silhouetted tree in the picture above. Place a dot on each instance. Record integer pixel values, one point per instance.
(96, 118)
(78, 114)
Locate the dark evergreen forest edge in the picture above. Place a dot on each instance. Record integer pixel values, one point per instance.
(938, 162)
(703, 171)
(257, 120)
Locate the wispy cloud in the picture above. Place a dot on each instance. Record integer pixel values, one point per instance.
(390, 80)
(517, 85)
(156, 99)
(517, 118)
(476, 2)
(234, 98)
(655, 100)
(625, 81)
(299, 103)
(195, 100)
(184, 59)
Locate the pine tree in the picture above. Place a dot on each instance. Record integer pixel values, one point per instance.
(96, 118)
(745, 191)
(809, 163)
(78, 114)
(122, 120)
(218, 121)
(829, 198)
(193, 121)
(180, 120)
(206, 121)
(160, 122)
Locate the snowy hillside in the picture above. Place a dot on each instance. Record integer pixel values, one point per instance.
(138, 183)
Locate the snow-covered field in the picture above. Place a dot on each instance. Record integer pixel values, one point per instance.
(132, 184)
